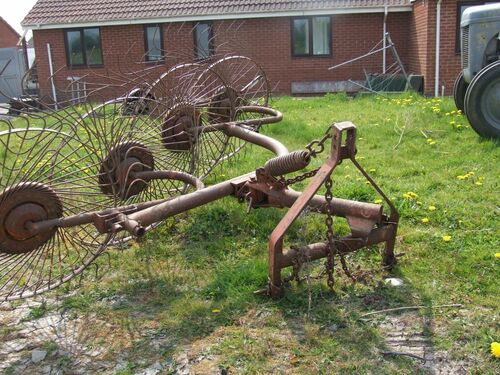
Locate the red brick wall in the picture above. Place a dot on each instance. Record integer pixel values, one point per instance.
(422, 44)
(267, 41)
(123, 54)
(8, 36)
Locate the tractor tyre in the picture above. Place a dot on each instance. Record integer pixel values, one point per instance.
(482, 101)
(459, 89)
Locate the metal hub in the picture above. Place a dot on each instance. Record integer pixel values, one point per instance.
(117, 169)
(175, 133)
(221, 108)
(21, 205)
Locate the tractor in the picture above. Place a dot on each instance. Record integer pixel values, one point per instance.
(477, 87)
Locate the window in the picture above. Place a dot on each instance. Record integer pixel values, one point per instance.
(153, 40)
(203, 37)
(311, 36)
(83, 47)
(461, 7)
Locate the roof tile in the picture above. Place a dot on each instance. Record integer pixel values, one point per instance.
(47, 12)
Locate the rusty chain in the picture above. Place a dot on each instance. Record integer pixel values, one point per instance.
(330, 261)
(314, 148)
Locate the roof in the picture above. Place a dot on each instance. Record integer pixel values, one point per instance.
(14, 32)
(74, 13)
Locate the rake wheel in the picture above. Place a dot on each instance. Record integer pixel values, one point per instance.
(187, 99)
(22, 204)
(37, 182)
(245, 81)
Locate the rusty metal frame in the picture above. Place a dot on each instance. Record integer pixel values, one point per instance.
(362, 226)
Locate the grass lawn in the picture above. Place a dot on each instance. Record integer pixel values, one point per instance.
(185, 292)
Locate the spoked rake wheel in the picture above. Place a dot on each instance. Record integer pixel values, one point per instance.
(122, 153)
(245, 85)
(37, 183)
(186, 101)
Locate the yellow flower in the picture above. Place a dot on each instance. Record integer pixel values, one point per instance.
(425, 220)
(410, 195)
(497, 255)
(495, 349)
(377, 201)
(216, 311)
(432, 208)
(463, 177)
(446, 238)
(372, 170)
(478, 183)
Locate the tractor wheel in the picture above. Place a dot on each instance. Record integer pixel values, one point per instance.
(459, 89)
(482, 101)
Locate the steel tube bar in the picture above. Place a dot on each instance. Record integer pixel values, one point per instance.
(340, 207)
(274, 116)
(258, 139)
(169, 175)
(320, 250)
(183, 203)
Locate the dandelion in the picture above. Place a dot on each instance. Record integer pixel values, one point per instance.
(425, 220)
(372, 170)
(216, 311)
(497, 255)
(377, 201)
(495, 349)
(431, 208)
(446, 238)
(410, 195)
(478, 183)
(462, 177)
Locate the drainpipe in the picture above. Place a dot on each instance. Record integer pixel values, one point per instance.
(438, 47)
(51, 68)
(384, 54)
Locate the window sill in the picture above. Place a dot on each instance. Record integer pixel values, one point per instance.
(156, 62)
(79, 67)
(311, 56)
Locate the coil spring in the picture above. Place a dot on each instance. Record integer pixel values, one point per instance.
(293, 162)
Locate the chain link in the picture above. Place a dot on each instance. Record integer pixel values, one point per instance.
(302, 177)
(314, 148)
(330, 261)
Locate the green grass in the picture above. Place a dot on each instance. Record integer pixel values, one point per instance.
(192, 280)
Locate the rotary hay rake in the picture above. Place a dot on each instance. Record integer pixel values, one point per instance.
(80, 179)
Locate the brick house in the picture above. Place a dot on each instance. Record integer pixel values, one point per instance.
(295, 41)
(8, 36)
